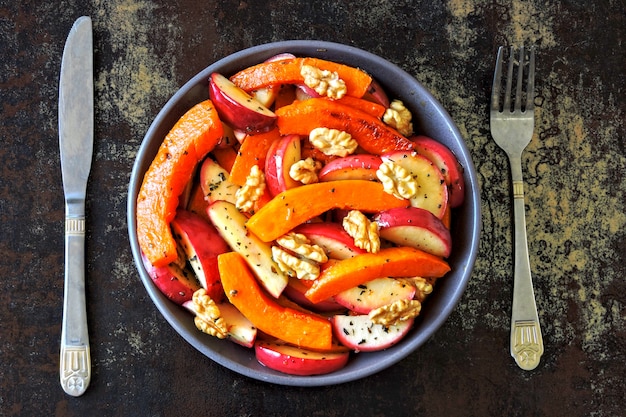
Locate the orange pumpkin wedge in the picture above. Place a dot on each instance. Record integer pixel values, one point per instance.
(297, 205)
(395, 262)
(194, 135)
(287, 71)
(225, 157)
(371, 133)
(369, 107)
(299, 328)
(253, 151)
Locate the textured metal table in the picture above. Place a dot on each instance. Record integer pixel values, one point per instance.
(575, 171)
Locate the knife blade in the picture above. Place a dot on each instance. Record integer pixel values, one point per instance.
(76, 148)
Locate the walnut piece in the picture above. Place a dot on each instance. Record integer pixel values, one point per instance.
(332, 141)
(396, 180)
(362, 230)
(208, 316)
(292, 265)
(305, 170)
(251, 191)
(423, 287)
(301, 245)
(324, 82)
(399, 117)
(394, 313)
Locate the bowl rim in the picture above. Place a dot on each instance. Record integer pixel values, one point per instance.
(431, 114)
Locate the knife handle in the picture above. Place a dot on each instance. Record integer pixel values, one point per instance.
(75, 364)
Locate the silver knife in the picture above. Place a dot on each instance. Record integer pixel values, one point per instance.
(76, 148)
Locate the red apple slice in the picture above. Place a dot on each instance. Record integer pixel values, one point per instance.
(266, 95)
(361, 334)
(377, 94)
(280, 57)
(237, 108)
(228, 138)
(231, 225)
(304, 92)
(216, 184)
(240, 330)
(415, 227)
(201, 244)
(296, 361)
(374, 294)
(240, 135)
(432, 192)
(295, 290)
(447, 163)
(352, 167)
(174, 282)
(331, 237)
(282, 154)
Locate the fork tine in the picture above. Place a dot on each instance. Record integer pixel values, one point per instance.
(530, 95)
(509, 82)
(497, 79)
(520, 79)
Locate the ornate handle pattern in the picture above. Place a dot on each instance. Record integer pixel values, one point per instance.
(75, 369)
(75, 361)
(526, 339)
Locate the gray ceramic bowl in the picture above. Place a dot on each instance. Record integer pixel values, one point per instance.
(429, 119)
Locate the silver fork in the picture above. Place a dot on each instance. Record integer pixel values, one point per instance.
(512, 130)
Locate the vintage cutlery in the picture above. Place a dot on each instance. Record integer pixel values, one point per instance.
(76, 147)
(512, 130)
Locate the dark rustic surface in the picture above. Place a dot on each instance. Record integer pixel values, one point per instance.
(575, 171)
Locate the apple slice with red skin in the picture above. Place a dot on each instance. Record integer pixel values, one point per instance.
(351, 167)
(304, 92)
(374, 294)
(237, 108)
(266, 96)
(297, 361)
(228, 138)
(447, 163)
(240, 135)
(432, 191)
(174, 282)
(231, 225)
(337, 215)
(363, 335)
(295, 290)
(201, 244)
(281, 155)
(377, 94)
(415, 227)
(331, 237)
(216, 184)
(240, 330)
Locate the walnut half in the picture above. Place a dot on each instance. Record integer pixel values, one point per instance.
(400, 310)
(208, 316)
(324, 82)
(362, 230)
(251, 191)
(332, 141)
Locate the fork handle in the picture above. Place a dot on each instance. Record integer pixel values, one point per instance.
(526, 339)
